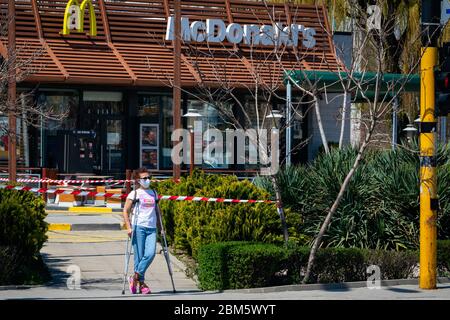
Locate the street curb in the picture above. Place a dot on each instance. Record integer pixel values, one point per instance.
(331, 286)
(85, 227)
(90, 209)
(79, 209)
(59, 227)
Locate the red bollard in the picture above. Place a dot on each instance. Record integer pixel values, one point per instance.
(128, 183)
(44, 184)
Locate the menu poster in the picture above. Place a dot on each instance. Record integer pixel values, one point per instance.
(149, 146)
(150, 159)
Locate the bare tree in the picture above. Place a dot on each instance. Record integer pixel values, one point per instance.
(365, 78)
(367, 82)
(25, 61)
(214, 67)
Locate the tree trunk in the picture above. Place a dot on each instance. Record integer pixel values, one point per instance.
(280, 208)
(319, 123)
(344, 116)
(326, 223)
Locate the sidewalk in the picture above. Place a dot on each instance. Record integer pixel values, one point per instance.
(99, 255)
(98, 252)
(101, 261)
(83, 222)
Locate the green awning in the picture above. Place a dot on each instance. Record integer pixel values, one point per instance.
(328, 81)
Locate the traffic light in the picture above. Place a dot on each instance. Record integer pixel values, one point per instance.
(442, 80)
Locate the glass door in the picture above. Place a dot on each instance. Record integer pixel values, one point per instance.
(103, 113)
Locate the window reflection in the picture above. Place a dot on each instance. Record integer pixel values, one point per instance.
(60, 103)
(211, 119)
(148, 106)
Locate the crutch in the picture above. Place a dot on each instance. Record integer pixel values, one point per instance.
(127, 260)
(129, 246)
(165, 249)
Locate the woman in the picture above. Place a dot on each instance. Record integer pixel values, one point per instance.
(143, 228)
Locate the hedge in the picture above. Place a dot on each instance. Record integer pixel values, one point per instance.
(192, 224)
(22, 235)
(238, 265)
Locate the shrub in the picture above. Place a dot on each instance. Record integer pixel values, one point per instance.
(10, 258)
(443, 255)
(393, 264)
(339, 265)
(379, 210)
(22, 222)
(192, 224)
(235, 265)
(22, 235)
(212, 271)
(254, 265)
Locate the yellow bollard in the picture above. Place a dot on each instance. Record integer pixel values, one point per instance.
(428, 181)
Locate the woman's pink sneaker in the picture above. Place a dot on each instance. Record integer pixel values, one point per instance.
(132, 283)
(145, 289)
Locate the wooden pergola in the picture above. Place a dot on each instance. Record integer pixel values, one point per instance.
(130, 50)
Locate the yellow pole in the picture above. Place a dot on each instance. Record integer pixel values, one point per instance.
(428, 185)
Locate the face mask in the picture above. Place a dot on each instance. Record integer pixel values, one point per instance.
(145, 183)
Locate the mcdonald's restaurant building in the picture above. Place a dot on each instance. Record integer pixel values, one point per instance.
(109, 65)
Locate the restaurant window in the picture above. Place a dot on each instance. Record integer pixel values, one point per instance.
(156, 126)
(258, 116)
(24, 120)
(167, 129)
(211, 119)
(148, 106)
(103, 103)
(59, 103)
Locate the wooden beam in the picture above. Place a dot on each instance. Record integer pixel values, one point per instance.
(327, 28)
(166, 8)
(191, 68)
(123, 62)
(116, 52)
(55, 59)
(3, 50)
(37, 18)
(250, 68)
(306, 64)
(229, 13)
(287, 11)
(105, 22)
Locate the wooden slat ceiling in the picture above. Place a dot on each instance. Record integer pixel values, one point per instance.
(130, 49)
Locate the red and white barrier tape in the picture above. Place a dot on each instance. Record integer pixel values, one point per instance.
(72, 181)
(124, 195)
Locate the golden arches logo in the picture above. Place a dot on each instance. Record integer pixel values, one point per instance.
(74, 17)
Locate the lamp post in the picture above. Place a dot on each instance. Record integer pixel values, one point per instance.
(191, 115)
(394, 123)
(410, 132)
(276, 117)
(177, 77)
(288, 122)
(12, 169)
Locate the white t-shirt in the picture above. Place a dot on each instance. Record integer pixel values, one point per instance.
(146, 215)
